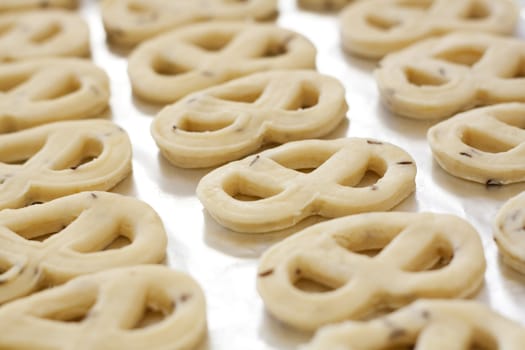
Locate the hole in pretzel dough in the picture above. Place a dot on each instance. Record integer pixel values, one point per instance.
(120, 236)
(90, 150)
(198, 124)
(48, 33)
(381, 23)
(19, 154)
(305, 162)
(435, 257)
(485, 141)
(369, 176)
(11, 80)
(467, 56)
(305, 278)
(423, 78)
(307, 97)
(72, 309)
(366, 241)
(42, 229)
(157, 307)
(138, 8)
(60, 88)
(246, 190)
(478, 10)
(274, 48)
(163, 66)
(5, 28)
(482, 340)
(215, 41)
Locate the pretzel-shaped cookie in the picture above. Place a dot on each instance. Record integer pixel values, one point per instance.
(17, 5)
(439, 77)
(232, 120)
(54, 160)
(42, 34)
(104, 311)
(41, 91)
(414, 249)
(485, 145)
(284, 194)
(175, 64)
(49, 244)
(508, 232)
(371, 33)
(426, 325)
(128, 22)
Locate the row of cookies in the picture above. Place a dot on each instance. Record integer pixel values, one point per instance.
(59, 230)
(254, 216)
(487, 138)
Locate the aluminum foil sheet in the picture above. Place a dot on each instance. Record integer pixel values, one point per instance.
(225, 263)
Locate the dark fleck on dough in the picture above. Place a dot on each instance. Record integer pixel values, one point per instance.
(266, 273)
(466, 154)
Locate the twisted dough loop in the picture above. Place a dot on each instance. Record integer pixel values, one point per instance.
(509, 230)
(82, 227)
(485, 145)
(286, 195)
(129, 22)
(439, 77)
(412, 249)
(175, 64)
(429, 325)
(58, 159)
(22, 5)
(41, 91)
(400, 23)
(39, 34)
(232, 120)
(104, 311)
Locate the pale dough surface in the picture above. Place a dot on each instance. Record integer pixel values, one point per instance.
(485, 145)
(44, 245)
(426, 325)
(439, 77)
(129, 22)
(173, 65)
(419, 255)
(509, 232)
(36, 34)
(104, 310)
(57, 159)
(23, 5)
(305, 178)
(234, 119)
(374, 28)
(35, 92)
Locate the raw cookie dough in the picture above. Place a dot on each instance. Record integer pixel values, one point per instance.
(426, 325)
(374, 28)
(509, 231)
(57, 159)
(369, 262)
(439, 77)
(39, 34)
(279, 187)
(107, 311)
(22, 5)
(36, 92)
(129, 22)
(48, 244)
(485, 145)
(232, 120)
(173, 65)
